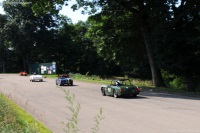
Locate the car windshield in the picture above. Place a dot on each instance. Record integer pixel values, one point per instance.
(61, 77)
(121, 82)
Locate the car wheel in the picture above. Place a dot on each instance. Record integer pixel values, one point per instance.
(115, 94)
(103, 91)
(134, 95)
(71, 83)
(41, 80)
(60, 84)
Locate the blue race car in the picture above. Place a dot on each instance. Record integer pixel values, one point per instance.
(64, 80)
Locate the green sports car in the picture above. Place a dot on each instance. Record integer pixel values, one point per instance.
(120, 87)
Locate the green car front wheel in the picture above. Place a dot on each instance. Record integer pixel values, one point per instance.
(103, 91)
(115, 94)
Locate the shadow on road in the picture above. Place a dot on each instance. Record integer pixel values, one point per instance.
(38, 81)
(165, 94)
(137, 97)
(130, 97)
(68, 86)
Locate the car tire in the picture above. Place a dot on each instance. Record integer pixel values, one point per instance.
(134, 95)
(60, 84)
(103, 91)
(71, 83)
(115, 94)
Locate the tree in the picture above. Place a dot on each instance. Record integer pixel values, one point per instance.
(20, 31)
(119, 44)
(79, 54)
(142, 12)
(25, 32)
(9, 59)
(3, 48)
(178, 42)
(86, 52)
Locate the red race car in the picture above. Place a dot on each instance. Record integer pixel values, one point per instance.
(23, 73)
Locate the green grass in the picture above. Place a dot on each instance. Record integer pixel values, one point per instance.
(14, 119)
(98, 79)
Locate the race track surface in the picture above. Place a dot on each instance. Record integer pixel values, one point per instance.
(150, 112)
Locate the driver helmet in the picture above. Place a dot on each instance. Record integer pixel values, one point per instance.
(118, 82)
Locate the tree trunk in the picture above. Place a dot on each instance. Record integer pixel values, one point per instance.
(3, 65)
(144, 27)
(190, 83)
(155, 71)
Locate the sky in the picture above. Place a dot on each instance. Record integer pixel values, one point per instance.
(74, 15)
(66, 10)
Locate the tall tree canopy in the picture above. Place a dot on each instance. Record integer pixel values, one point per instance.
(25, 32)
(125, 36)
(142, 13)
(3, 48)
(177, 21)
(177, 43)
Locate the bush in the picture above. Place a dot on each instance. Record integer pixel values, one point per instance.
(177, 83)
(173, 81)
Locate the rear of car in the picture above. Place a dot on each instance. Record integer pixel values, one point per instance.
(121, 87)
(64, 81)
(36, 78)
(128, 90)
(22, 73)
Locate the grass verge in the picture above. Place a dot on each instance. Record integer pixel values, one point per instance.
(14, 119)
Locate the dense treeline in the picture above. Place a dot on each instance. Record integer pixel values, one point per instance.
(145, 39)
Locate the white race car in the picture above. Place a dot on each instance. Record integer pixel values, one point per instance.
(36, 78)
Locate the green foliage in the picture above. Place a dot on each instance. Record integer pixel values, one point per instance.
(178, 84)
(14, 119)
(177, 44)
(22, 32)
(72, 125)
(173, 81)
(119, 44)
(90, 78)
(139, 82)
(41, 7)
(134, 38)
(98, 119)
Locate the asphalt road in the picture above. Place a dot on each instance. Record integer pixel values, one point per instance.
(150, 112)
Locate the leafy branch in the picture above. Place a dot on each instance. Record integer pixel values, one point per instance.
(97, 120)
(72, 125)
